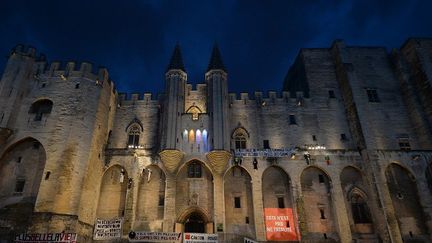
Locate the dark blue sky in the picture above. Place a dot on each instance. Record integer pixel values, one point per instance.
(258, 39)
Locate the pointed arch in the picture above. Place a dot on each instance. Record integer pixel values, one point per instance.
(151, 199)
(198, 136)
(21, 170)
(135, 122)
(134, 130)
(191, 136)
(240, 131)
(191, 210)
(195, 111)
(22, 167)
(239, 212)
(276, 187)
(405, 199)
(194, 186)
(356, 200)
(316, 193)
(112, 196)
(239, 138)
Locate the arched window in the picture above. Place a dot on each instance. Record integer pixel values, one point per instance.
(191, 136)
(133, 136)
(194, 170)
(240, 136)
(204, 138)
(41, 107)
(185, 135)
(198, 136)
(360, 210)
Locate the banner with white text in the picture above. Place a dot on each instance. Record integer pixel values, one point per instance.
(199, 238)
(280, 224)
(108, 229)
(141, 236)
(46, 238)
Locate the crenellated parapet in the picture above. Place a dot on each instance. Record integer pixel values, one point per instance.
(28, 51)
(125, 99)
(67, 70)
(72, 69)
(268, 99)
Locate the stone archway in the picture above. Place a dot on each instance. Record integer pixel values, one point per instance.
(239, 210)
(194, 191)
(194, 224)
(406, 202)
(21, 175)
(194, 220)
(317, 206)
(112, 198)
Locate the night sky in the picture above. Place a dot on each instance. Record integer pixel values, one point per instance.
(258, 40)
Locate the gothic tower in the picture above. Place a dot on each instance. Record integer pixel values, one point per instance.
(216, 78)
(173, 106)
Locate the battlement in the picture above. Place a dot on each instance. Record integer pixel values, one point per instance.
(137, 97)
(69, 69)
(29, 51)
(64, 70)
(269, 96)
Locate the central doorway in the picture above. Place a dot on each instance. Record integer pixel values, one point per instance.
(194, 224)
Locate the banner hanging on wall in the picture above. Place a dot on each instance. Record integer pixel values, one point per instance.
(141, 236)
(280, 224)
(46, 238)
(200, 238)
(108, 229)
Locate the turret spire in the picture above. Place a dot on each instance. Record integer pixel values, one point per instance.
(215, 60)
(176, 60)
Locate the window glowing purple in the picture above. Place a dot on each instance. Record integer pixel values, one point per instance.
(198, 136)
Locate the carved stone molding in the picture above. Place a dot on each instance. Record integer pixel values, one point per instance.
(171, 159)
(218, 160)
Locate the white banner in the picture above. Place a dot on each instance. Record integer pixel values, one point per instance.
(199, 238)
(264, 152)
(247, 240)
(154, 237)
(108, 229)
(46, 238)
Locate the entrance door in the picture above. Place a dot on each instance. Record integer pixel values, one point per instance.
(194, 224)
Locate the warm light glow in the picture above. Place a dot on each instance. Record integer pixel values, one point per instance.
(315, 147)
(191, 136)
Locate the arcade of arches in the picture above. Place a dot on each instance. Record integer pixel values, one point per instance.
(311, 198)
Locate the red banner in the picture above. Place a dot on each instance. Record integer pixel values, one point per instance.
(280, 224)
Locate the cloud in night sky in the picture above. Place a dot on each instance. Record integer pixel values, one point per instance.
(258, 40)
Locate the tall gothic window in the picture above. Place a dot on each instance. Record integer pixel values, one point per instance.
(240, 136)
(360, 210)
(133, 136)
(194, 170)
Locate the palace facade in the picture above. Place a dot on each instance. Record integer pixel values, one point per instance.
(342, 154)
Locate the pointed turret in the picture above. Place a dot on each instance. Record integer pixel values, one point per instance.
(176, 60)
(215, 60)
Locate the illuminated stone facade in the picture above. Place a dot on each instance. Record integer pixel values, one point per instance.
(357, 122)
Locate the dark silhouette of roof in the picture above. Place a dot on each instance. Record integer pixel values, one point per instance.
(176, 61)
(215, 60)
